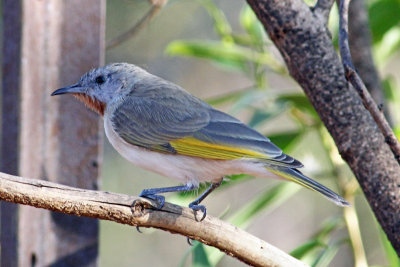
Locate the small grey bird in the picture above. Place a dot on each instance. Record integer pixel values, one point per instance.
(157, 125)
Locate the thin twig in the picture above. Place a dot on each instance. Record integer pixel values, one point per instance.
(353, 226)
(322, 8)
(355, 80)
(141, 212)
(155, 9)
(360, 42)
(350, 188)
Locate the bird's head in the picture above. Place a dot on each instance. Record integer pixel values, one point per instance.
(100, 86)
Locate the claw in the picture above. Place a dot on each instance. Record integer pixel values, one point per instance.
(158, 198)
(189, 241)
(197, 208)
(138, 229)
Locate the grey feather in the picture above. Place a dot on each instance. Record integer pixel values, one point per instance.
(149, 118)
(225, 129)
(157, 112)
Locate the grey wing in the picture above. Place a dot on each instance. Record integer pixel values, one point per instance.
(152, 117)
(225, 129)
(151, 121)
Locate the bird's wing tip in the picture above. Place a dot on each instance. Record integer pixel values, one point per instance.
(342, 202)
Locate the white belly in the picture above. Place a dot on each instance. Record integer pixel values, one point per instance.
(188, 170)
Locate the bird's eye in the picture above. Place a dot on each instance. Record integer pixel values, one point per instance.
(100, 79)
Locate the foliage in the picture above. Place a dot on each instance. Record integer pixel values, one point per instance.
(249, 53)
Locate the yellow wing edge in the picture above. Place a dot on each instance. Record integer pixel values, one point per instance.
(191, 146)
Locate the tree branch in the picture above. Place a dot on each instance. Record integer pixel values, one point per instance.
(154, 10)
(353, 77)
(360, 42)
(307, 49)
(322, 9)
(119, 208)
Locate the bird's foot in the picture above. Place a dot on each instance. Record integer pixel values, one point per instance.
(158, 198)
(196, 208)
(189, 241)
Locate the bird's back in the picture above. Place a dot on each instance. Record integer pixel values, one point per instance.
(162, 117)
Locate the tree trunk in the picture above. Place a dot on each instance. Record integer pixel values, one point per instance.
(307, 49)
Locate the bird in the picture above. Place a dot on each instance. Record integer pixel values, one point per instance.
(157, 125)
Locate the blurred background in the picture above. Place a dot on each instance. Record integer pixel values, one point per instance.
(217, 50)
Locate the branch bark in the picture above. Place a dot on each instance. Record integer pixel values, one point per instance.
(322, 9)
(307, 49)
(360, 42)
(156, 7)
(355, 79)
(119, 208)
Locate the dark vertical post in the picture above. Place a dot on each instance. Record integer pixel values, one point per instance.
(9, 147)
(59, 138)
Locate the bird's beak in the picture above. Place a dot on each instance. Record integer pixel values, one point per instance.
(72, 89)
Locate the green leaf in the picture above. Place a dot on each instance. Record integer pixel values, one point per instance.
(243, 39)
(391, 254)
(221, 24)
(200, 258)
(392, 96)
(327, 228)
(224, 53)
(299, 101)
(252, 25)
(260, 116)
(319, 240)
(327, 255)
(396, 131)
(269, 199)
(186, 255)
(391, 90)
(306, 248)
(388, 89)
(231, 96)
(286, 140)
(264, 114)
(265, 203)
(388, 46)
(248, 100)
(383, 15)
(237, 177)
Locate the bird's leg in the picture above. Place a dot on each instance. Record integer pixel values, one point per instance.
(195, 204)
(152, 193)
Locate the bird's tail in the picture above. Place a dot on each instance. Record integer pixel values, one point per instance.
(299, 178)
